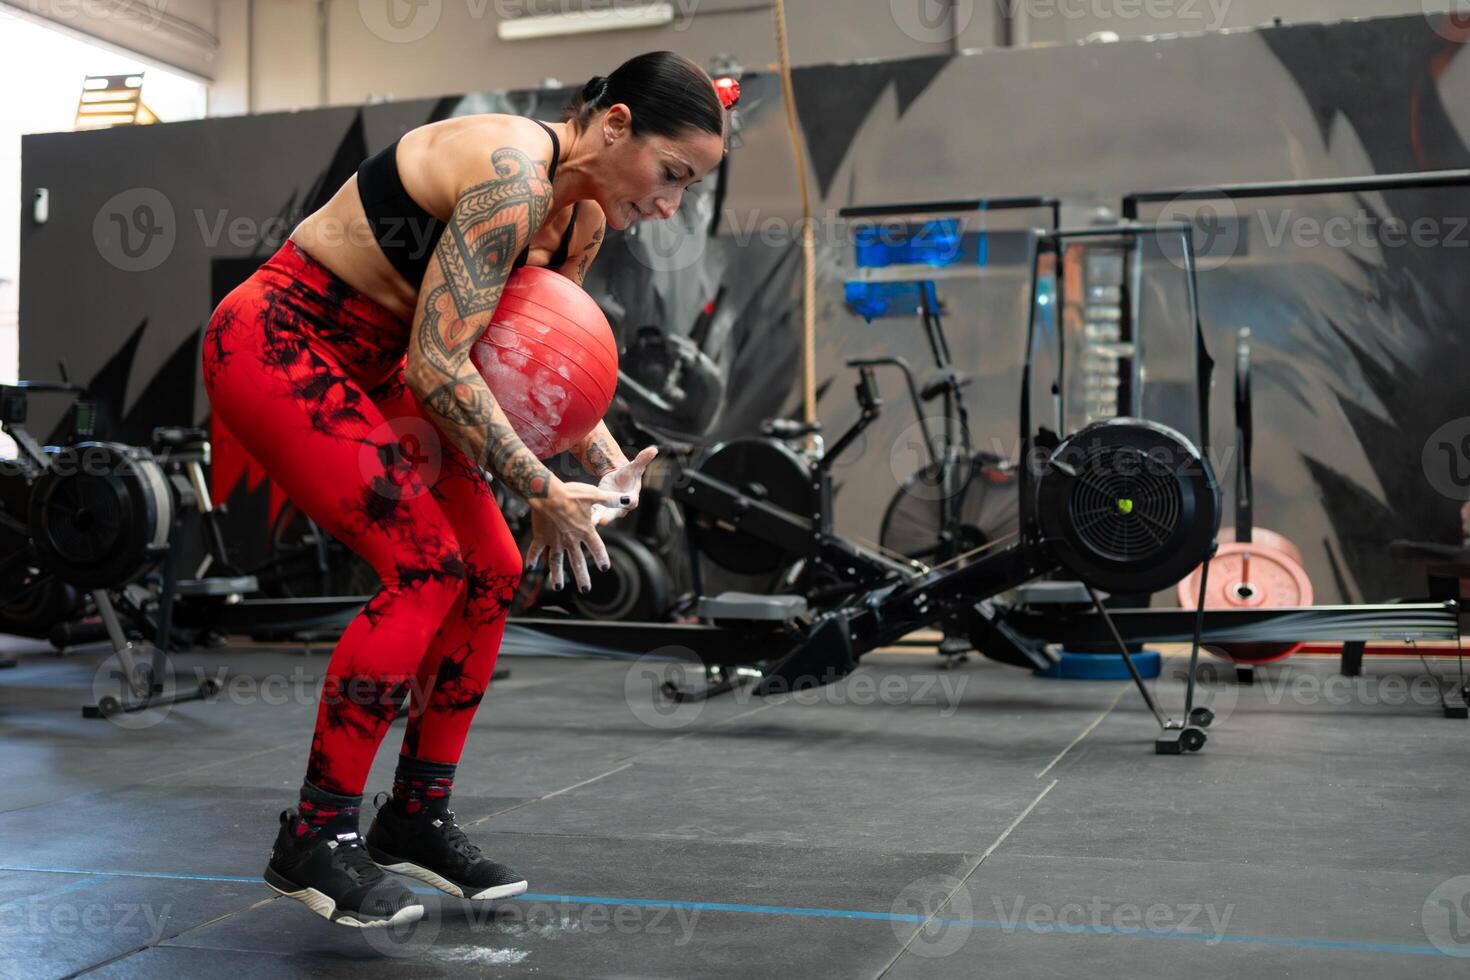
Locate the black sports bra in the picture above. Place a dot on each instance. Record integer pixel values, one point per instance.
(407, 233)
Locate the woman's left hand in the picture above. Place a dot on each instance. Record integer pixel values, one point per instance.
(626, 480)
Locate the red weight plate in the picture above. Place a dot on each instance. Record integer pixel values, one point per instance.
(1266, 538)
(1259, 575)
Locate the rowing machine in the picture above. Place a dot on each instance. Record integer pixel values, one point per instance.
(1125, 505)
(757, 506)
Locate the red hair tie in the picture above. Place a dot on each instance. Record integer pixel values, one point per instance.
(729, 91)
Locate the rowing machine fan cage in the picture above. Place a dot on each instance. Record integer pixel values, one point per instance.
(1128, 506)
(100, 515)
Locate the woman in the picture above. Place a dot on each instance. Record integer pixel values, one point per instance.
(345, 357)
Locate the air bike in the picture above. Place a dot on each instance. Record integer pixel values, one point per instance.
(1123, 506)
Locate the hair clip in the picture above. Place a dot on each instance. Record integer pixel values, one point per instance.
(729, 91)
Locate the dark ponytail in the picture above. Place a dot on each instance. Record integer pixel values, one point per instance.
(666, 92)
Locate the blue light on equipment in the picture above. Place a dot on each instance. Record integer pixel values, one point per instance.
(936, 244)
(872, 300)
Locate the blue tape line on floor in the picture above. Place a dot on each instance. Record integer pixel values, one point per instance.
(1333, 944)
(1337, 945)
(70, 886)
(171, 875)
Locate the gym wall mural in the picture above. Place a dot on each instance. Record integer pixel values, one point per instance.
(1358, 347)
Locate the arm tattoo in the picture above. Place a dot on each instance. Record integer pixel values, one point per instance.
(599, 452)
(588, 251)
(491, 223)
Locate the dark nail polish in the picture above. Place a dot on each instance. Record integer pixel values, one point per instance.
(627, 500)
(583, 589)
(603, 568)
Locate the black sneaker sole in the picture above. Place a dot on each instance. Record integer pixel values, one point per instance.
(326, 907)
(396, 865)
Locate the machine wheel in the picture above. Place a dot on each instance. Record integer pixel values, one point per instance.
(1193, 739)
(635, 588)
(36, 604)
(100, 517)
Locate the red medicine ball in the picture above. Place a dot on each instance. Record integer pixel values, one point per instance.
(549, 358)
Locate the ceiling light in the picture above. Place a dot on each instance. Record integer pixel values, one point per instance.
(614, 18)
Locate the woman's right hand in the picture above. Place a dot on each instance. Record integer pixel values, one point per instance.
(562, 524)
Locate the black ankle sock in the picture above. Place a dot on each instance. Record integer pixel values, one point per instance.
(326, 813)
(420, 786)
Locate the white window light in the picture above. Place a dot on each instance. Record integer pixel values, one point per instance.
(616, 17)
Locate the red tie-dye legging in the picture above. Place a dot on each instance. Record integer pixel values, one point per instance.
(308, 374)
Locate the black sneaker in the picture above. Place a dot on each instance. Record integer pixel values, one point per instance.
(336, 879)
(436, 851)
